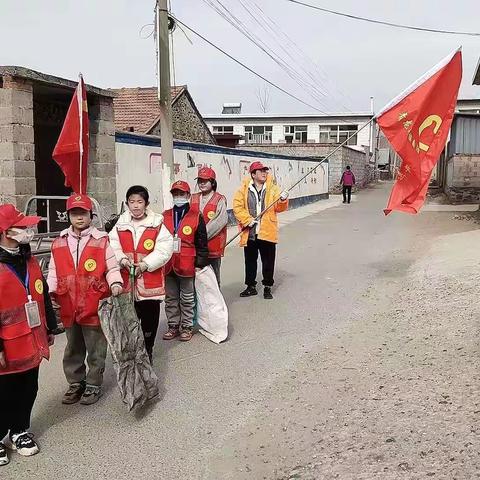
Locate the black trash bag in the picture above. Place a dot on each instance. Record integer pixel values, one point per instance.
(136, 379)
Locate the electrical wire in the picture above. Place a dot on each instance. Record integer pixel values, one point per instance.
(381, 22)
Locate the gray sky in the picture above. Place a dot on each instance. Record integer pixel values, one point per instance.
(350, 60)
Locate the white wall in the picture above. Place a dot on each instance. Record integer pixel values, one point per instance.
(141, 164)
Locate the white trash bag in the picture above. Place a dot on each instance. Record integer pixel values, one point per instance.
(212, 312)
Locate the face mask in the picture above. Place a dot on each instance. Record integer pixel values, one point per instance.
(21, 235)
(180, 201)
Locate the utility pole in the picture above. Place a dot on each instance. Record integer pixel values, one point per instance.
(165, 99)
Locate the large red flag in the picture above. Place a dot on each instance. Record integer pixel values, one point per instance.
(71, 150)
(416, 124)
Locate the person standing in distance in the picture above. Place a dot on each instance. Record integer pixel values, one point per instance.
(27, 323)
(141, 240)
(256, 193)
(348, 181)
(213, 206)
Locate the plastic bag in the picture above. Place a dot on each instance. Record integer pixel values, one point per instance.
(212, 312)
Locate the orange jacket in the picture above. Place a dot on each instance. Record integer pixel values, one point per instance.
(269, 222)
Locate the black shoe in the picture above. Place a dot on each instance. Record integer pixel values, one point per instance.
(249, 292)
(23, 443)
(4, 460)
(267, 293)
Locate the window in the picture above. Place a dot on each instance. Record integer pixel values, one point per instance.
(338, 134)
(258, 134)
(295, 133)
(223, 130)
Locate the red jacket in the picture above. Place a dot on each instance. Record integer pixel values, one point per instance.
(79, 290)
(23, 347)
(216, 245)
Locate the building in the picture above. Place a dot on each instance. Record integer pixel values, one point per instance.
(468, 105)
(33, 107)
(304, 135)
(137, 110)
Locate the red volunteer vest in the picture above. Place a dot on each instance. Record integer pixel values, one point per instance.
(150, 284)
(24, 348)
(183, 263)
(216, 245)
(80, 290)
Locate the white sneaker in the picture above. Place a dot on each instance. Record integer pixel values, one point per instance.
(4, 460)
(23, 443)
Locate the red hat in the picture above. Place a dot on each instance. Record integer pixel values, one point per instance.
(257, 166)
(206, 173)
(11, 217)
(79, 201)
(180, 185)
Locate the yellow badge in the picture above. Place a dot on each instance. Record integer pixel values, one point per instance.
(90, 265)
(211, 215)
(39, 286)
(187, 230)
(78, 198)
(148, 244)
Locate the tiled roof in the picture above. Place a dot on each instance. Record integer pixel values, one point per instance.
(137, 109)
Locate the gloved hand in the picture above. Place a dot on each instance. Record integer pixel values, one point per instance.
(125, 263)
(284, 195)
(116, 289)
(140, 268)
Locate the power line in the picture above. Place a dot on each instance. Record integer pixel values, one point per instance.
(247, 67)
(381, 22)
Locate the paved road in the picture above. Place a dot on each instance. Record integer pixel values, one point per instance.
(326, 261)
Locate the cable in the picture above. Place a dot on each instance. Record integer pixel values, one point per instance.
(388, 24)
(247, 67)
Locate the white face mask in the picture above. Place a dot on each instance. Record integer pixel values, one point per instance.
(22, 235)
(180, 201)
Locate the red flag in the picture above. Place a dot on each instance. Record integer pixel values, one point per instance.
(71, 150)
(416, 124)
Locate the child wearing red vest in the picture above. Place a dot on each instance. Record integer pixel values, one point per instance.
(140, 239)
(214, 209)
(190, 252)
(27, 323)
(83, 270)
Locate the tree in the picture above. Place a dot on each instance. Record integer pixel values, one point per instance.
(263, 97)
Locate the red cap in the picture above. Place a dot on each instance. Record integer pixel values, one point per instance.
(11, 217)
(257, 166)
(180, 185)
(79, 201)
(206, 173)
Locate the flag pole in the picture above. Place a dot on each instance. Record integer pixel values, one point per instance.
(304, 177)
(80, 142)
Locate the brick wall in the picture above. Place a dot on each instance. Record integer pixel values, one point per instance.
(337, 162)
(187, 123)
(17, 152)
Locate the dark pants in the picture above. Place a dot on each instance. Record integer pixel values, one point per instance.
(347, 193)
(18, 392)
(216, 264)
(267, 254)
(148, 311)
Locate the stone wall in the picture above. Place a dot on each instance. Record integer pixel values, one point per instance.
(187, 123)
(17, 152)
(337, 162)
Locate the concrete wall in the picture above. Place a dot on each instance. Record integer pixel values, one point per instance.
(463, 178)
(337, 162)
(187, 123)
(139, 162)
(17, 152)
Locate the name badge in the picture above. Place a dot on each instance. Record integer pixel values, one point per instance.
(33, 314)
(177, 244)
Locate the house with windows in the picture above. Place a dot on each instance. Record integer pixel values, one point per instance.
(305, 135)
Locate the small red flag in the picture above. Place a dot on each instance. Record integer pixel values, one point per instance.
(416, 124)
(71, 150)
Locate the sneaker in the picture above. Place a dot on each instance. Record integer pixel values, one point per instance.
(74, 393)
(267, 293)
(186, 335)
(23, 443)
(249, 292)
(91, 395)
(4, 460)
(171, 333)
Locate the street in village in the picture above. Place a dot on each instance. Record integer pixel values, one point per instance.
(365, 366)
